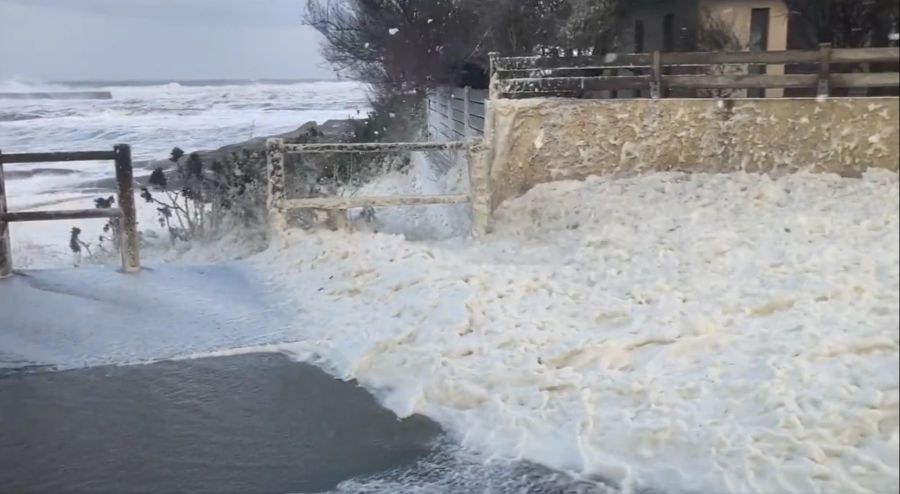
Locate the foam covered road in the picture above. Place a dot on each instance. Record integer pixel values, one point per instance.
(72, 318)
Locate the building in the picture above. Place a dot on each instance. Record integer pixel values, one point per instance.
(707, 25)
(675, 25)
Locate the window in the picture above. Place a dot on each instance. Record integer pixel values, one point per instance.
(639, 36)
(759, 30)
(669, 32)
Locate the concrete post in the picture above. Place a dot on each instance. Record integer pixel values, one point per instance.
(494, 81)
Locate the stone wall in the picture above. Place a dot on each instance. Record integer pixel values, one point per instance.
(542, 140)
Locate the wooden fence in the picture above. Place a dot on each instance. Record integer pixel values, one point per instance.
(336, 207)
(656, 73)
(454, 114)
(126, 212)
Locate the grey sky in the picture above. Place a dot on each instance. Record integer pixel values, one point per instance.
(157, 39)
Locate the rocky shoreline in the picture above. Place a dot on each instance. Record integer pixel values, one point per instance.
(329, 131)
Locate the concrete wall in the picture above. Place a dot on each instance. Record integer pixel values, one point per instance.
(542, 140)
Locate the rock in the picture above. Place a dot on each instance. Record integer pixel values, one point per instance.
(330, 131)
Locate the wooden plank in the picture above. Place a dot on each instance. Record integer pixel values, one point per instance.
(458, 106)
(545, 94)
(377, 147)
(508, 66)
(474, 94)
(741, 81)
(58, 157)
(375, 202)
(740, 57)
(556, 84)
(476, 110)
(609, 60)
(478, 95)
(73, 214)
(539, 87)
(887, 79)
(131, 260)
(865, 55)
(477, 123)
(564, 72)
(459, 128)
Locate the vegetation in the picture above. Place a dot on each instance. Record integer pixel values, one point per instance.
(843, 23)
(402, 46)
(195, 203)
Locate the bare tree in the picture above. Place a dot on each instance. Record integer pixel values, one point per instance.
(408, 45)
(397, 45)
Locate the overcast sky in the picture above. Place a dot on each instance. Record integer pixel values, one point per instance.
(157, 39)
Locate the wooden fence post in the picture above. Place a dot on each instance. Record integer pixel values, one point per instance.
(656, 75)
(479, 159)
(824, 87)
(483, 158)
(131, 262)
(275, 173)
(5, 251)
(466, 110)
(494, 80)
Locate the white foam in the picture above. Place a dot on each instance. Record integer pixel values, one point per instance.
(693, 333)
(435, 222)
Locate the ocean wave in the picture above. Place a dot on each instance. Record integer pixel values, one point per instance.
(25, 85)
(17, 117)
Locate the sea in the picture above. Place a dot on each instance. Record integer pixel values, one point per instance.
(152, 117)
(231, 424)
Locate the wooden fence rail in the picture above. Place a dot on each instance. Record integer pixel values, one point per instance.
(126, 212)
(534, 76)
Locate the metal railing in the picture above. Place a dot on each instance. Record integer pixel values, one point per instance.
(125, 213)
(657, 72)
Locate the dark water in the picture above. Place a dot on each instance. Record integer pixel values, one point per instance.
(257, 423)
